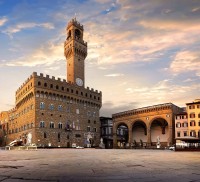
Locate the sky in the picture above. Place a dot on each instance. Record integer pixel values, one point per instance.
(140, 53)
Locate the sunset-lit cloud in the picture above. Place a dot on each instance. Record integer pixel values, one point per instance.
(19, 27)
(186, 61)
(114, 75)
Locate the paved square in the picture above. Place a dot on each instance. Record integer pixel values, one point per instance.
(99, 165)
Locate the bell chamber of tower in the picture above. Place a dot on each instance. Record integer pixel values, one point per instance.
(75, 52)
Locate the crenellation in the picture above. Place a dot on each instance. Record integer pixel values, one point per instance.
(34, 74)
(41, 75)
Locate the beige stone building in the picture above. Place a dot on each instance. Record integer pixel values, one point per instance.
(147, 126)
(193, 110)
(58, 113)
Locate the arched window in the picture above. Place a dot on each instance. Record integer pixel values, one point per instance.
(45, 84)
(60, 125)
(42, 105)
(88, 128)
(39, 83)
(67, 126)
(42, 125)
(51, 124)
(60, 107)
(51, 107)
(77, 33)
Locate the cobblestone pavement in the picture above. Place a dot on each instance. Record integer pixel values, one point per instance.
(99, 165)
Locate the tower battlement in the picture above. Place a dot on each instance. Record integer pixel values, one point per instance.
(75, 23)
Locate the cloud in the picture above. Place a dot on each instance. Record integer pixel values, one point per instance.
(48, 54)
(3, 21)
(195, 9)
(133, 32)
(17, 28)
(162, 92)
(114, 75)
(186, 61)
(109, 107)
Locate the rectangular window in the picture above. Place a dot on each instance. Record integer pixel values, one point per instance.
(193, 133)
(178, 134)
(185, 133)
(88, 128)
(198, 106)
(192, 107)
(192, 115)
(192, 123)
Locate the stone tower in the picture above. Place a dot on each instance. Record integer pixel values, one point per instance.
(75, 53)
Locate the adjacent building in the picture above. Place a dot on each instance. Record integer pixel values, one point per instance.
(106, 130)
(193, 111)
(147, 126)
(58, 113)
(181, 125)
(107, 133)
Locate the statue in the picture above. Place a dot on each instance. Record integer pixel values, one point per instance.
(141, 143)
(89, 137)
(102, 145)
(29, 138)
(158, 142)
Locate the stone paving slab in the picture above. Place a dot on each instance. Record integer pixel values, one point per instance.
(87, 165)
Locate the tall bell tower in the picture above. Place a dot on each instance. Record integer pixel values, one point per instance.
(75, 53)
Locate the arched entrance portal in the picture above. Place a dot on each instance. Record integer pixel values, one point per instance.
(122, 135)
(139, 130)
(159, 132)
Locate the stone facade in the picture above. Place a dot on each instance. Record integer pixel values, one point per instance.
(181, 124)
(3, 127)
(147, 124)
(193, 111)
(58, 113)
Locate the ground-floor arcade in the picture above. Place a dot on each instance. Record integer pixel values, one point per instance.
(151, 126)
(141, 134)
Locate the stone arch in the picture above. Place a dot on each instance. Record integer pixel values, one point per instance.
(159, 128)
(139, 131)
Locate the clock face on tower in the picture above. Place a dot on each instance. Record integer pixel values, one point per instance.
(79, 82)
